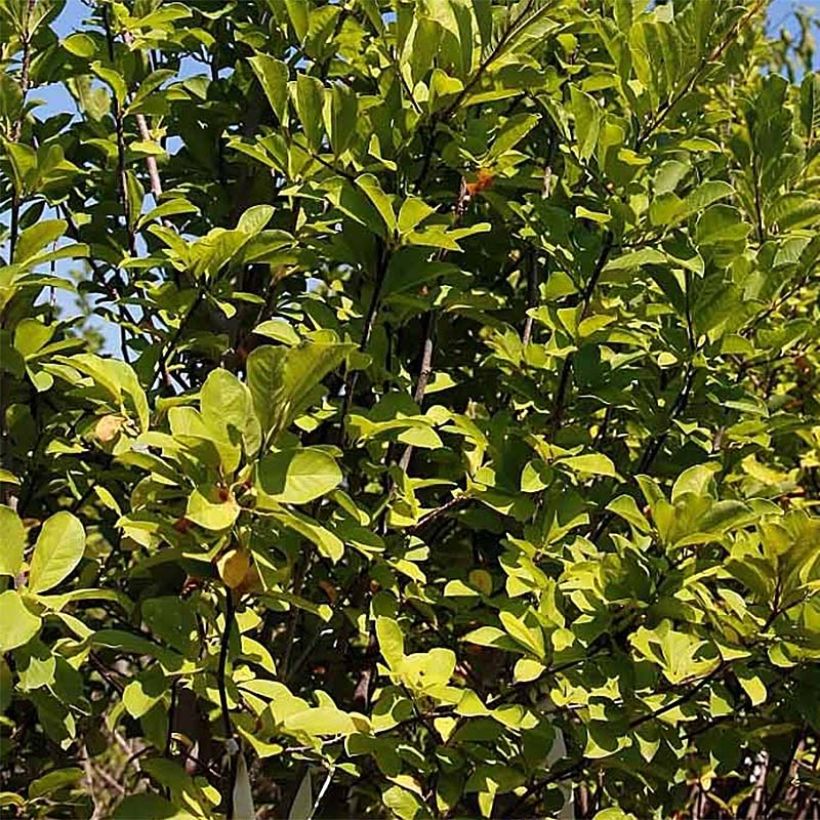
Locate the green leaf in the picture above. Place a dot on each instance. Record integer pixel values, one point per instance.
(341, 117)
(32, 240)
(403, 803)
(626, 507)
(173, 621)
(227, 403)
(266, 373)
(309, 103)
(587, 114)
(210, 510)
(14, 542)
(53, 781)
(413, 212)
(694, 480)
(720, 224)
(323, 720)
(391, 641)
(531, 638)
(370, 185)
(299, 13)
(635, 259)
(59, 548)
(242, 793)
(19, 625)
(273, 76)
(147, 807)
(282, 381)
(297, 476)
(302, 806)
(327, 542)
(513, 130)
(527, 669)
(592, 463)
(80, 45)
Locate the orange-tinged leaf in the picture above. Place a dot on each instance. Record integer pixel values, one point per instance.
(108, 427)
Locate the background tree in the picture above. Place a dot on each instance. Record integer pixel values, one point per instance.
(458, 451)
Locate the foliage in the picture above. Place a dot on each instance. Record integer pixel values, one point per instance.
(458, 453)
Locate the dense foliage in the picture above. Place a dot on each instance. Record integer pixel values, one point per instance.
(458, 451)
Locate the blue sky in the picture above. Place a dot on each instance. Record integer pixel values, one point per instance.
(56, 99)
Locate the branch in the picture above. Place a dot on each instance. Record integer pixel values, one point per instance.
(685, 698)
(532, 296)
(448, 507)
(653, 447)
(122, 179)
(586, 298)
(230, 614)
(25, 70)
(515, 28)
(369, 323)
(425, 371)
(17, 128)
(786, 773)
(162, 363)
(145, 133)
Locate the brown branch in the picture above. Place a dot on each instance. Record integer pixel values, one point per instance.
(25, 70)
(17, 128)
(759, 792)
(786, 773)
(425, 371)
(448, 507)
(119, 128)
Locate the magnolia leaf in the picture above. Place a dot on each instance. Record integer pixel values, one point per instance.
(212, 508)
(297, 476)
(19, 624)
(243, 808)
(59, 548)
(14, 541)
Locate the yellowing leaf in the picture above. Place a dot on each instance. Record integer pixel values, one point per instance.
(233, 566)
(108, 427)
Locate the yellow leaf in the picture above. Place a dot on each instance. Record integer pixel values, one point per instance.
(233, 566)
(108, 427)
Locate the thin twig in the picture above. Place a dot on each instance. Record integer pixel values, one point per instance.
(425, 371)
(17, 128)
(322, 792)
(25, 70)
(532, 295)
(448, 507)
(145, 133)
(786, 773)
(369, 323)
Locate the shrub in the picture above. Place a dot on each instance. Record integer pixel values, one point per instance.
(456, 450)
